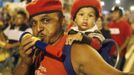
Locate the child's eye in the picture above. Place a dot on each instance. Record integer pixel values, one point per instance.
(81, 14)
(90, 15)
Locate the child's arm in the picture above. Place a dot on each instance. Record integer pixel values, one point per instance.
(75, 36)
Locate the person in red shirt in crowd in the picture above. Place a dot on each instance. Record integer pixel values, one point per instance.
(120, 31)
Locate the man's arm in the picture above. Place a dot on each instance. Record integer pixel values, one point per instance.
(125, 43)
(21, 69)
(87, 61)
(26, 54)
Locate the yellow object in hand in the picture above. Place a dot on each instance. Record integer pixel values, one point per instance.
(4, 55)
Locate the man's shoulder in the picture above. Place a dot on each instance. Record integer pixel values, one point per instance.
(111, 23)
(81, 47)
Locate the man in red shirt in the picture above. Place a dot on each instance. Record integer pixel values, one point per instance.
(120, 31)
(46, 18)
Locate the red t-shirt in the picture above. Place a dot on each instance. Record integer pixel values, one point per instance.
(120, 31)
(51, 66)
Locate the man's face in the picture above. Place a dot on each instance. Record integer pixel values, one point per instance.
(48, 26)
(85, 18)
(20, 19)
(115, 15)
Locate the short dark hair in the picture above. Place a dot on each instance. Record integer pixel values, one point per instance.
(60, 14)
(23, 13)
(117, 8)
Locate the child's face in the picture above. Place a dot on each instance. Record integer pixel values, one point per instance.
(85, 18)
(115, 15)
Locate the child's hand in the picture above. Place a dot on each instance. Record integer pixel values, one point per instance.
(73, 37)
(97, 35)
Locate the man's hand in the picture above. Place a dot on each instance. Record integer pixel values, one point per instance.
(27, 48)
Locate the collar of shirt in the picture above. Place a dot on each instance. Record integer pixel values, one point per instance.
(88, 30)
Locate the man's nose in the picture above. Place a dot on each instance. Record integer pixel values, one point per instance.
(39, 26)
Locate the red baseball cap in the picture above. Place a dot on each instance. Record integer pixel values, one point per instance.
(85, 3)
(40, 6)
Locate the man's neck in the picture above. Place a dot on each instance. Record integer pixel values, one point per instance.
(118, 20)
(56, 38)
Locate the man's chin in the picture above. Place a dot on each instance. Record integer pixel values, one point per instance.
(45, 40)
(41, 36)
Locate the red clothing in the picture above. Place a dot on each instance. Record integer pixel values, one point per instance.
(96, 43)
(49, 65)
(120, 31)
(56, 49)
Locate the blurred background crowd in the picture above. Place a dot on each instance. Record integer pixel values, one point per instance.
(14, 20)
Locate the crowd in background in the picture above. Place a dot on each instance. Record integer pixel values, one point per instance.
(14, 21)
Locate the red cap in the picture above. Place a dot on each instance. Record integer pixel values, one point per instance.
(40, 6)
(84, 3)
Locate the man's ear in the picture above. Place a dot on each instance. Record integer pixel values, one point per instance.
(62, 21)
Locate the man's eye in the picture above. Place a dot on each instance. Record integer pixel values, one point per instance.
(32, 23)
(45, 21)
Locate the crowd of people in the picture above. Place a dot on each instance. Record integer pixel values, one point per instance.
(39, 40)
